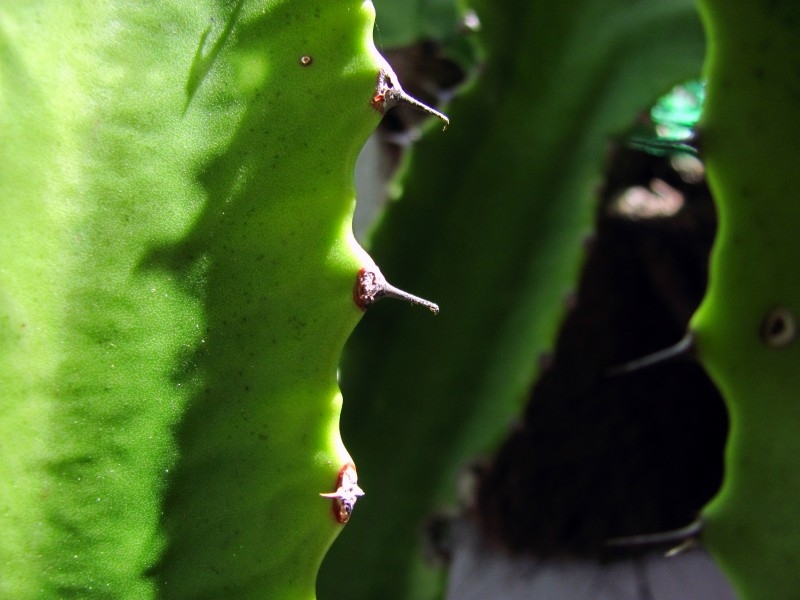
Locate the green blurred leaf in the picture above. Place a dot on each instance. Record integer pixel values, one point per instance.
(489, 225)
(403, 23)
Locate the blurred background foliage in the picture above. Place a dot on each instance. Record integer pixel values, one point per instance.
(520, 222)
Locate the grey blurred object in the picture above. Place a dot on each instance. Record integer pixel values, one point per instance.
(479, 571)
(427, 73)
(374, 169)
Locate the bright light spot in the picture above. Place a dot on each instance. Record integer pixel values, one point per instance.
(660, 201)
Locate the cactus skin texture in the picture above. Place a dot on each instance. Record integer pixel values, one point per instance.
(176, 192)
(750, 144)
(497, 208)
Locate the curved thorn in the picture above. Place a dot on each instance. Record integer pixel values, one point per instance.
(683, 348)
(371, 286)
(677, 536)
(389, 93)
(400, 97)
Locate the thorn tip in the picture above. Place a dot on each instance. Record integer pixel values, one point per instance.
(371, 286)
(684, 347)
(389, 93)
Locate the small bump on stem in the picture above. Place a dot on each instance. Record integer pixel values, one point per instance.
(371, 286)
(346, 494)
(779, 327)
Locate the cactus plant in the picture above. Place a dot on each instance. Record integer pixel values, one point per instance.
(177, 282)
(177, 272)
(746, 327)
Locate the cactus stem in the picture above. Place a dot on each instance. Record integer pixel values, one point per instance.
(684, 347)
(371, 286)
(389, 93)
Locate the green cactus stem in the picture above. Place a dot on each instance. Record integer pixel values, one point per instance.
(176, 284)
(746, 327)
